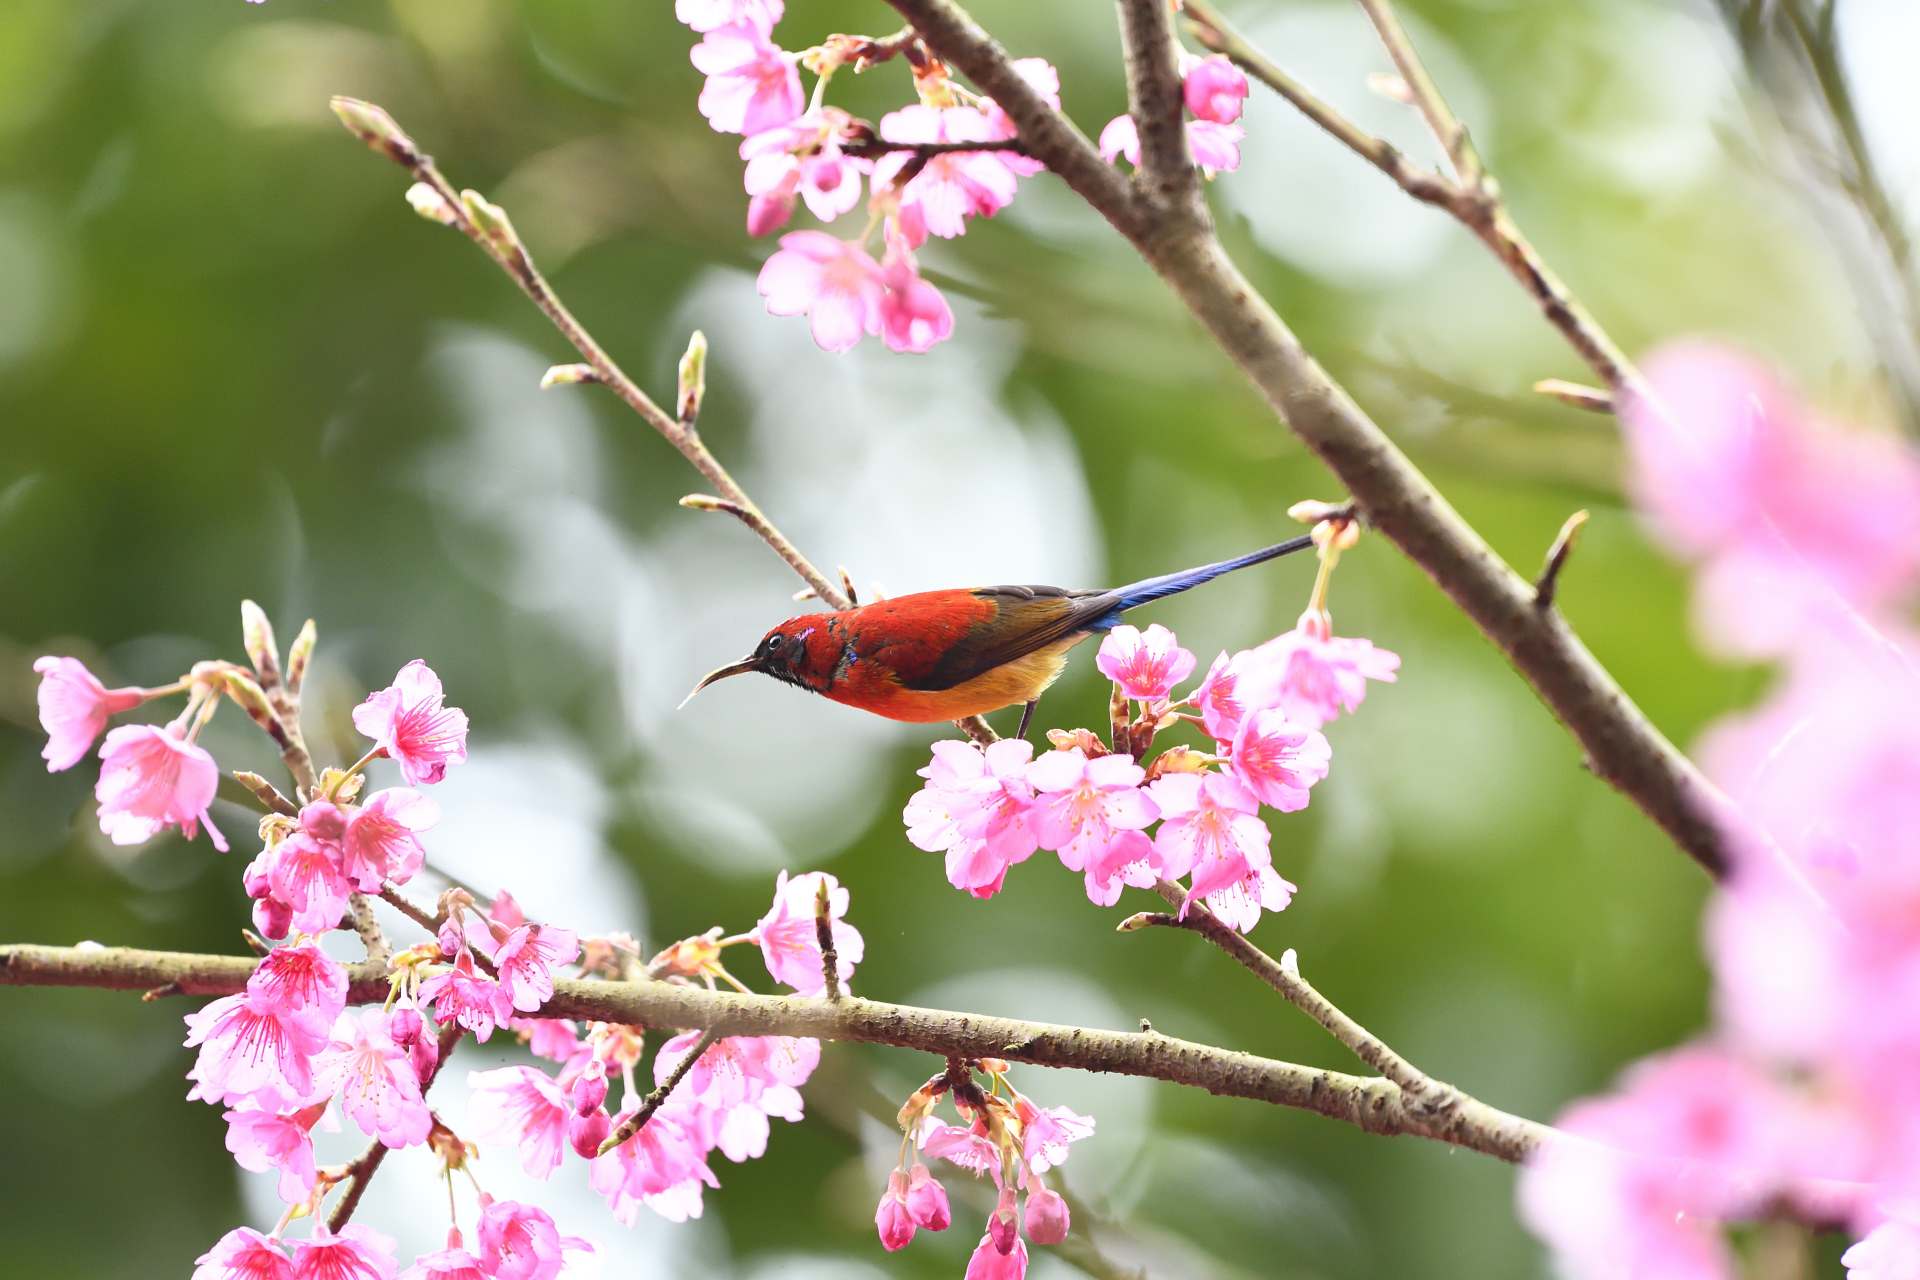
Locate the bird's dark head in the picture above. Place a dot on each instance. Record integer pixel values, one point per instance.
(796, 652)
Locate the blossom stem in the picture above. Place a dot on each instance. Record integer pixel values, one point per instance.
(1376, 1105)
(167, 690)
(653, 1102)
(1392, 494)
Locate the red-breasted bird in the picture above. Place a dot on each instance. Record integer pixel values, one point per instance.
(946, 655)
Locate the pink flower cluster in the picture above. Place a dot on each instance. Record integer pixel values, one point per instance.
(1092, 805)
(796, 151)
(1214, 90)
(1808, 1095)
(1010, 1139)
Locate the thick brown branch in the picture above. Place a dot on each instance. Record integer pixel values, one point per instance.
(1621, 745)
(1375, 1105)
(1155, 101)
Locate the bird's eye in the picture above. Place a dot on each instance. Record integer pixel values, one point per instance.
(773, 642)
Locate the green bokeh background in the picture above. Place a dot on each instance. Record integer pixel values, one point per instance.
(225, 371)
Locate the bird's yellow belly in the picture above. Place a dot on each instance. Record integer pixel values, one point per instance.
(1022, 680)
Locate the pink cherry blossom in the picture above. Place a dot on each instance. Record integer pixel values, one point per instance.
(1130, 859)
(836, 284)
(357, 1253)
(927, 1200)
(1084, 804)
(264, 1140)
(752, 85)
(1731, 470)
(737, 1084)
(975, 807)
(1279, 760)
(524, 1108)
(252, 1046)
(1047, 1132)
(1230, 687)
(913, 314)
(1003, 1226)
(464, 996)
(380, 843)
(407, 1029)
(1212, 830)
(891, 1219)
(555, 1039)
(151, 779)
(302, 980)
(305, 874)
(707, 15)
(953, 186)
(789, 940)
(1215, 147)
(410, 721)
(962, 1146)
(527, 959)
(74, 708)
(1047, 1219)
(1321, 675)
(1239, 904)
(244, 1254)
(1214, 89)
(272, 917)
(520, 1242)
(1044, 78)
(375, 1079)
(804, 158)
(989, 1263)
(1146, 665)
(661, 1167)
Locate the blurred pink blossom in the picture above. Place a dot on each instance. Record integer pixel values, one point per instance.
(151, 779)
(989, 1263)
(707, 15)
(244, 1254)
(804, 157)
(524, 1108)
(913, 314)
(520, 1242)
(752, 84)
(890, 1218)
(953, 186)
(356, 1253)
(1047, 1220)
(1214, 88)
(836, 284)
(1320, 675)
(660, 1167)
(789, 940)
(74, 707)
(927, 1200)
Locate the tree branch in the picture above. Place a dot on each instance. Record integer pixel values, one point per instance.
(1155, 100)
(1472, 196)
(1374, 1105)
(1621, 745)
(655, 1100)
(361, 1171)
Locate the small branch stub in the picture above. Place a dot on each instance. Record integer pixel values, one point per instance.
(567, 375)
(1544, 589)
(823, 932)
(377, 129)
(693, 379)
(1576, 394)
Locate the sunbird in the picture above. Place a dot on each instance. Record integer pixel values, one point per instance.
(946, 655)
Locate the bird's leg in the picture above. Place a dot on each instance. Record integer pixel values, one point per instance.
(1026, 718)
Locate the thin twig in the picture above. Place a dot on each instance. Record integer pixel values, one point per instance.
(1286, 979)
(266, 793)
(874, 148)
(1563, 542)
(1623, 747)
(1592, 399)
(653, 1101)
(487, 226)
(1376, 1105)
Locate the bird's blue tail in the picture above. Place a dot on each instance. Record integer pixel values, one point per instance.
(1148, 590)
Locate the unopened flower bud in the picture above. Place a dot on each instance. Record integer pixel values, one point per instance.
(1003, 1226)
(590, 1090)
(586, 1132)
(567, 375)
(377, 129)
(891, 1219)
(431, 205)
(256, 636)
(252, 699)
(927, 1200)
(494, 225)
(1390, 86)
(1047, 1216)
(1313, 511)
(693, 377)
(299, 655)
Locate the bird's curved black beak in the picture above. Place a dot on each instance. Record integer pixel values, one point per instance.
(721, 673)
